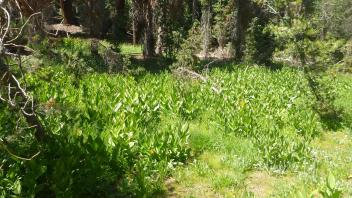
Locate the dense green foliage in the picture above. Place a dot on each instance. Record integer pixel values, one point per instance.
(92, 115)
(126, 134)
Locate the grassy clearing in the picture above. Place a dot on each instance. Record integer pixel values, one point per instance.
(219, 169)
(258, 137)
(224, 167)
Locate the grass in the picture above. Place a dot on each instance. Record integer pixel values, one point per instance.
(128, 49)
(222, 168)
(225, 165)
(345, 97)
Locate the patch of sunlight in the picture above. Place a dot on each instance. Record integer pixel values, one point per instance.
(129, 49)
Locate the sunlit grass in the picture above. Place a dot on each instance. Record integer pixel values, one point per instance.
(130, 49)
(219, 169)
(226, 165)
(344, 100)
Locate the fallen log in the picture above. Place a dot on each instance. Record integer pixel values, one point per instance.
(57, 28)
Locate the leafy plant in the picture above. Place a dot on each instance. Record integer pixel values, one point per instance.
(331, 189)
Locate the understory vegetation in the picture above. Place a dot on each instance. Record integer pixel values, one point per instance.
(173, 98)
(124, 135)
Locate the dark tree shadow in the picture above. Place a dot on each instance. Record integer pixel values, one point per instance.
(275, 66)
(332, 120)
(154, 65)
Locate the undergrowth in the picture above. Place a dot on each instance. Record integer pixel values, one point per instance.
(123, 135)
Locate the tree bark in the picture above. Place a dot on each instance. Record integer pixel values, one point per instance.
(238, 34)
(120, 19)
(149, 41)
(161, 20)
(196, 13)
(206, 27)
(137, 19)
(159, 41)
(134, 31)
(68, 13)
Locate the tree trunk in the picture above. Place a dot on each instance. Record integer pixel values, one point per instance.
(159, 41)
(238, 34)
(161, 20)
(206, 27)
(120, 5)
(137, 12)
(134, 31)
(149, 43)
(120, 19)
(68, 13)
(196, 13)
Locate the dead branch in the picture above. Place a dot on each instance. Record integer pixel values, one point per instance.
(4, 146)
(181, 71)
(17, 97)
(19, 46)
(19, 100)
(206, 67)
(22, 27)
(7, 25)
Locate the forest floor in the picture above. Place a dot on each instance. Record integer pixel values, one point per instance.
(221, 167)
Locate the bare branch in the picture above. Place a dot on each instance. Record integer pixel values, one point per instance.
(3, 145)
(10, 54)
(4, 76)
(21, 70)
(18, 46)
(19, 34)
(19, 8)
(273, 11)
(195, 75)
(1, 98)
(7, 26)
(17, 97)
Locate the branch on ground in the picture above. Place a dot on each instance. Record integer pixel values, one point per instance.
(184, 72)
